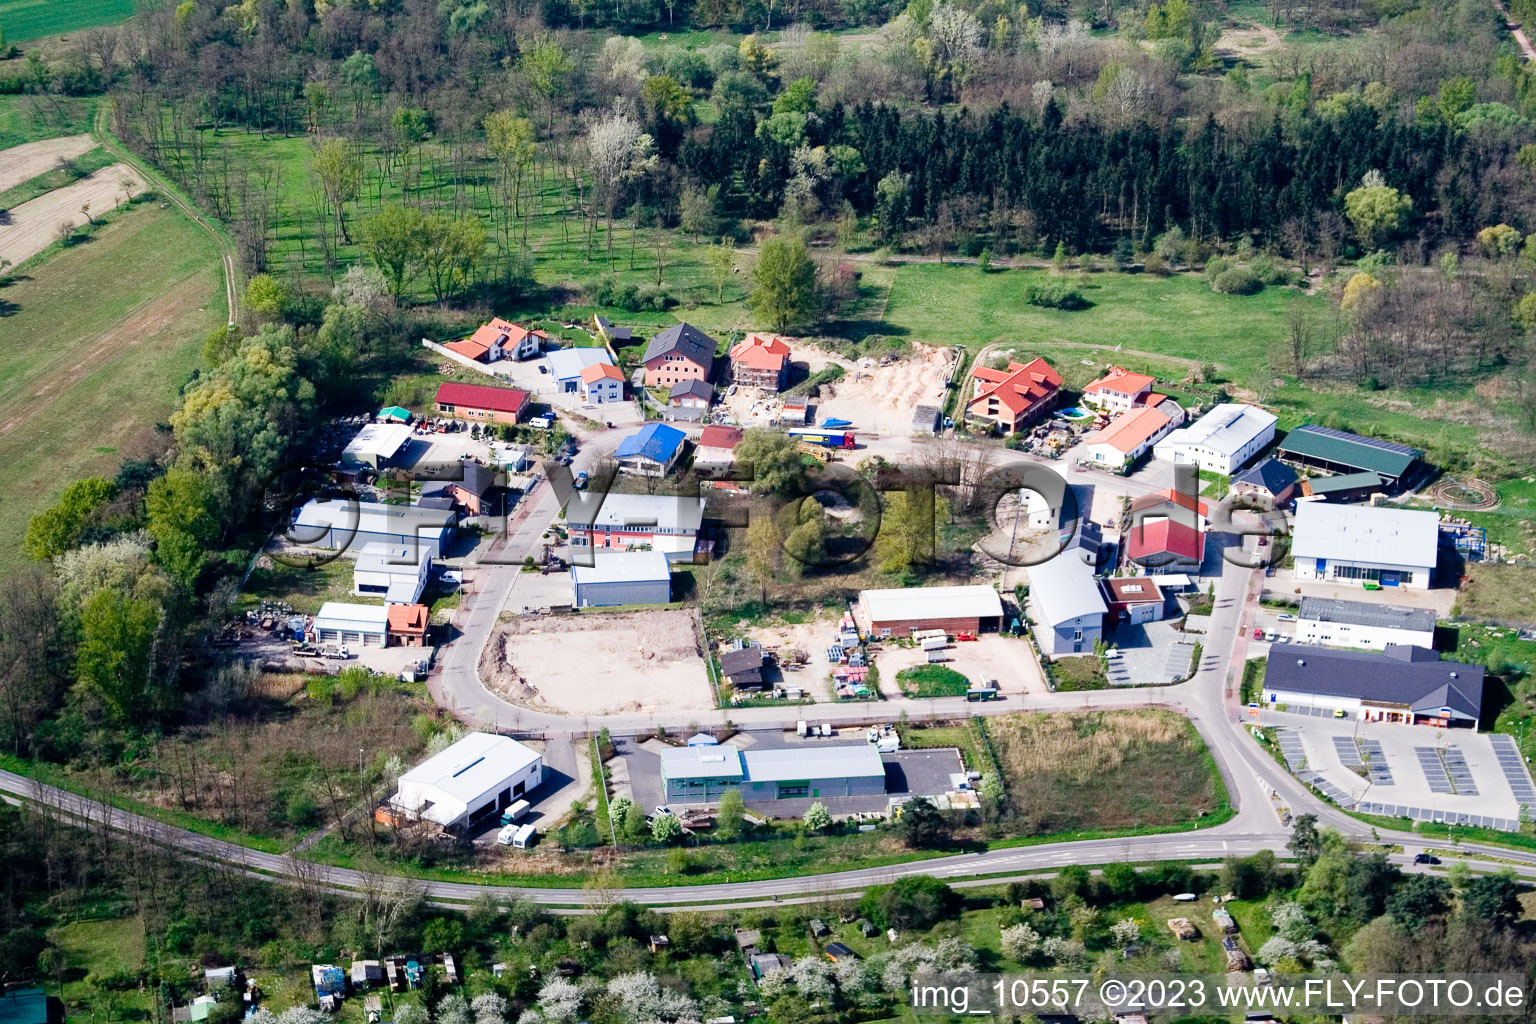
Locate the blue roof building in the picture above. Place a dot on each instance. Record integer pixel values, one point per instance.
(652, 450)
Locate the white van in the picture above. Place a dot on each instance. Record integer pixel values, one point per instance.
(526, 834)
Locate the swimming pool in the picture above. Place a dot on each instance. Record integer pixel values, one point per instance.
(1075, 413)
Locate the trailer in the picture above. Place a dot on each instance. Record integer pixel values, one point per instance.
(935, 643)
(824, 437)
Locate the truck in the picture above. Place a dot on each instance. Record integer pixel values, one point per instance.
(514, 812)
(935, 643)
(824, 437)
(986, 690)
(337, 653)
(800, 728)
(525, 837)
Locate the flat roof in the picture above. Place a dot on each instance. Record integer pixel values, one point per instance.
(810, 761)
(721, 761)
(932, 603)
(1362, 533)
(1412, 677)
(372, 517)
(476, 763)
(663, 511)
(1226, 428)
(392, 558)
(382, 440)
(1346, 449)
(623, 567)
(1134, 590)
(566, 363)
(1363, 613)
(1065, 588)
(362, 618)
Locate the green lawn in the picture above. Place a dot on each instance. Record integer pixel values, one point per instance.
(103, 948)
(33, 19)
(28, 119)
(1080, 673)
(932, 681)
(304, 588)
(95, 342)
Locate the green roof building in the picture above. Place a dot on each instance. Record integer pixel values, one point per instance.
(1338, 452)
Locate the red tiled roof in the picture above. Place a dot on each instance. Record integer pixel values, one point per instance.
(489, 334)
(469, 348)
(1132, 429)
(1021, 387)
(1121, 381)
(478, 396)
(407, 618)
(1169, 497)
(1133, 590)
(761, 352)
(720, 437)
(1165, 536)
(597, 371)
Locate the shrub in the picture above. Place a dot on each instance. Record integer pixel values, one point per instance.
(1216, 266)
(1055, 295)
(1237, 281)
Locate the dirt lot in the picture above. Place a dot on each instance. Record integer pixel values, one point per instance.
(645, 662)
(23, 163)
(877, 399)
(1004, 659)
(33, 226)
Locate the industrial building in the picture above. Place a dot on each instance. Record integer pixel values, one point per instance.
(622, 577)
(474, 778)
(340, 524)
(1323, 620)
(1407, 685)
(1325, 450)
(397, 573)
(952, 609)
(669, 524)
(1384, 547)
(1222, 440)
(339, 622)
(702, 774)
(376, 445)
(1068, 607)
(567, 366)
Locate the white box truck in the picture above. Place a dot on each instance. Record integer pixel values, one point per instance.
(524, 838)
(935, 643)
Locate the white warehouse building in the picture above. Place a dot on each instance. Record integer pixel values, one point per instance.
(391, 571)
(476, 777)
(1388, 547)
(1222, 440)
(1333, 623)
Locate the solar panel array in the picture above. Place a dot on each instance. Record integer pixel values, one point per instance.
(1376, 761)
(1349, 754)
(1513, 766)
(1434, 770)
(1290, 749)
(1367, 442)
(1460, 773)
(1311, 712)
(1444, 817)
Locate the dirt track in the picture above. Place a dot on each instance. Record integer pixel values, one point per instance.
(29, 228)
(23, 163)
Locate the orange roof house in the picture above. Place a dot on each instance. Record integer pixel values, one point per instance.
(407, 625)
(1119, 390)
(1013, 397)
(1130, 436)
(760, 361)
(499, 339)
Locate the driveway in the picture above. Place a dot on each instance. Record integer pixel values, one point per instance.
(1152, 652)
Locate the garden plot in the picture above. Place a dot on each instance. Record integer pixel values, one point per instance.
(599, 664)
(23, 163)
(33, 226)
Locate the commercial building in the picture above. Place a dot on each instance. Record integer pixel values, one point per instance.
(1011, 399)
(481, 403)
(1325, 450)
(1067, 605)
(376, 444)
(1132, 435)
(650, 451)
(1134, 599)
(667, 523)
(623, 577)
(566, 366)
(1407, 685)
(952, 609)
(1118, 391)
(1268, 483)
(1222, 440)
(474, 778)
(761, 361)
(1323, 620)
(338, 524)
(678, 353)
(397, 573)
(366, 625)
(1387, 547)
(601, 384)
(702, 774)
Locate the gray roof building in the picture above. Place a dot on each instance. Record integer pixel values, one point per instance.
(1063, 588)
(685, 340)
(1410, 678)
(1362, 613)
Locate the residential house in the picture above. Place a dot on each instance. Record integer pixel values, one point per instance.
(497, 340)
(476, 492)
(396, 572)
(1268, 483)
(1068, 607)
(1325, 450)
(716, 448)
(670, 524)
(406, 625)
(678, 353)
(1405, 685)
(1165, 546)
(1335, 623)
(1119, 391)
(1134, 599)
(761, 361)
(743, 666)
(1376, 547)
(478, 402)
(623, 577)
(691, 394)
(567, 365)
(602, 383)
(1222, 440)
(651, 451)
(1011, 399)
(1131, 436)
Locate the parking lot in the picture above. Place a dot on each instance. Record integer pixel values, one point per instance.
(1006, 659)
(1414, 771)
(1150, 653)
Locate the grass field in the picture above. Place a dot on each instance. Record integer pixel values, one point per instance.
(30, 118)
(23, 20)
(95, 343)
(932, 681)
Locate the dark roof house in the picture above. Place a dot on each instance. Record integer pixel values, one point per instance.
(683, 340)
(1269, 476)
(743, 667)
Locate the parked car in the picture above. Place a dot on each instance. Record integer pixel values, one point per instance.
(1258, 634)
(1270, 636)
(1287, 617)
(1425, 858)
(663, 810)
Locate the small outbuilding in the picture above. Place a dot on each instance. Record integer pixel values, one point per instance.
(339, 622)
